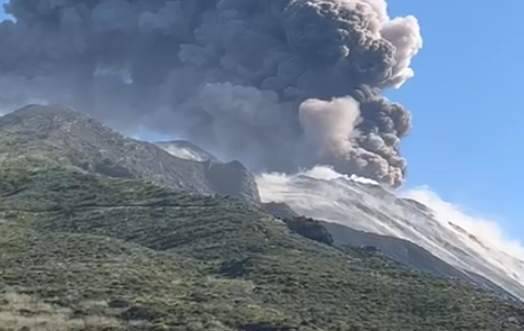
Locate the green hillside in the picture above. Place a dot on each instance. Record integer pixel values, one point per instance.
(82, 252)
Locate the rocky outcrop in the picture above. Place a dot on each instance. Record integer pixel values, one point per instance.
(232, 179)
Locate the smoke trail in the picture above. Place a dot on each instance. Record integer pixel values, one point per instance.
(231, 75)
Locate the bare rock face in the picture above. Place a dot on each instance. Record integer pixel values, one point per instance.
(55, 135)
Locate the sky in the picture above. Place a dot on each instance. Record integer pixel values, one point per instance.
(466, 104)
(466, 101)
(2, 14)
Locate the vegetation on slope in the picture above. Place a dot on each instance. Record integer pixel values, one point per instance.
(80, 252)
(59, 136)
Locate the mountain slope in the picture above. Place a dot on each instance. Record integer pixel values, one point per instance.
(57, 135)
(124, 255)
(227, 178)
(408, 254)
(186, 150)
(370, 208)
(399, 250)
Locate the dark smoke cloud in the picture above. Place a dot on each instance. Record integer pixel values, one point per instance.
(279, 84)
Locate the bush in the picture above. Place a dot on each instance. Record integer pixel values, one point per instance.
(310, 229)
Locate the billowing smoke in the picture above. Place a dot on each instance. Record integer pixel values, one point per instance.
(328, 125)
(278, 84)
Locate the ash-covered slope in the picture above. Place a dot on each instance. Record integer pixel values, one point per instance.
(57, 135)
(399, 250)
(371, 208)
(186, 150)
(409, 254)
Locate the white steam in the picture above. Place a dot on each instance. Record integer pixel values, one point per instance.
(481, 233)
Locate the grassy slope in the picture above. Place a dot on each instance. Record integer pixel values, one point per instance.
(84, 252)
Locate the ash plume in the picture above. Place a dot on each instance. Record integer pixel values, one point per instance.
(247, 79)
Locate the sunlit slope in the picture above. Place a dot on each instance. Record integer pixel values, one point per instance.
(77, 248)
(369, 207)
(56, 135)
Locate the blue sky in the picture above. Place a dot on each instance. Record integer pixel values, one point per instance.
(467, 106)
(2, 14)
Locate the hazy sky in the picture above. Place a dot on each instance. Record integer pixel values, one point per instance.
(466, 101)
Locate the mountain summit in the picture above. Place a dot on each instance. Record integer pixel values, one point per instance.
(58, 135)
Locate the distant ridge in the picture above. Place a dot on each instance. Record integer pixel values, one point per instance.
(58, 135)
